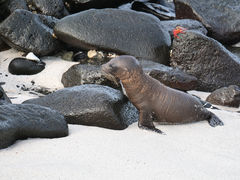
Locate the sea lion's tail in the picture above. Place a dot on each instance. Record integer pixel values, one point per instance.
(214, 120)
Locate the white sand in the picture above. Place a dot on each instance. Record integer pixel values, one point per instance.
(189, 151)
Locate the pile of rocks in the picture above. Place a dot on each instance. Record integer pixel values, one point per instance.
(194, 59)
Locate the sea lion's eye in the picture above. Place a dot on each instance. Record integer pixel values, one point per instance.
(113, 67)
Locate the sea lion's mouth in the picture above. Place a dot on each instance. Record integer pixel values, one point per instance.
(108, 75)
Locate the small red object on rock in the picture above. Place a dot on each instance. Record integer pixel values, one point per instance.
(178, 30)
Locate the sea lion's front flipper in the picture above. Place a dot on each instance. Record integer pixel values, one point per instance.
(214, 121)
(145, 122)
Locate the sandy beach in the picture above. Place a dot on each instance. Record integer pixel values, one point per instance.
(188, 151)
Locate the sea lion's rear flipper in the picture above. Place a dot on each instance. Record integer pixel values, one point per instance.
(145, 122)
(214, 120)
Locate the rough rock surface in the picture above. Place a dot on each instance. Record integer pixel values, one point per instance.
(3, 97)
(226, 96)
(185, 23)
(20, 121)
(114, 30)
(221, 17)
(85, 74)
(93, 105)
(17, 4)
(206, 59)
(29, 32)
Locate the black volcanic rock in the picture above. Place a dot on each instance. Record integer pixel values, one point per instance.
(75, 6)
(92, 105)
(4, 11)
(172, 77)
(189, 24)
(85, 74)
(21, 121)
(23, 66)
(3, 45)
(226, 96)
(53, 8)
(206, 59)
(220, 17)
(158, 10)
(29, 32)
(114, 30)
(17, 4)
(3, 97)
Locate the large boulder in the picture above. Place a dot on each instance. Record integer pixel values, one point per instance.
(29, 32)
(20, 121)
(220, 17)
(92, 105)
(226, 96)
(206, 59)
(114, 30)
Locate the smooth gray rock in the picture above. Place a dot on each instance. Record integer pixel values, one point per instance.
(114, 30)
(29, 32)
(92, 105)
(3, 97)
(226, 96)
(85, 74)
(185, 23)
(23, 66)
(220, 17)
(206, 59)
(21, 121)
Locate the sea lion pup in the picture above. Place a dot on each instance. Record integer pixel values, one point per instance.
(153, 98)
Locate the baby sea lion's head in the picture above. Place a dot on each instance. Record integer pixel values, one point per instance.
(122, 67)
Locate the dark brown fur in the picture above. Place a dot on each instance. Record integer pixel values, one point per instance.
(152, 97)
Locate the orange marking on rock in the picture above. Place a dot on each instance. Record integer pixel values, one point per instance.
(178, 30)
